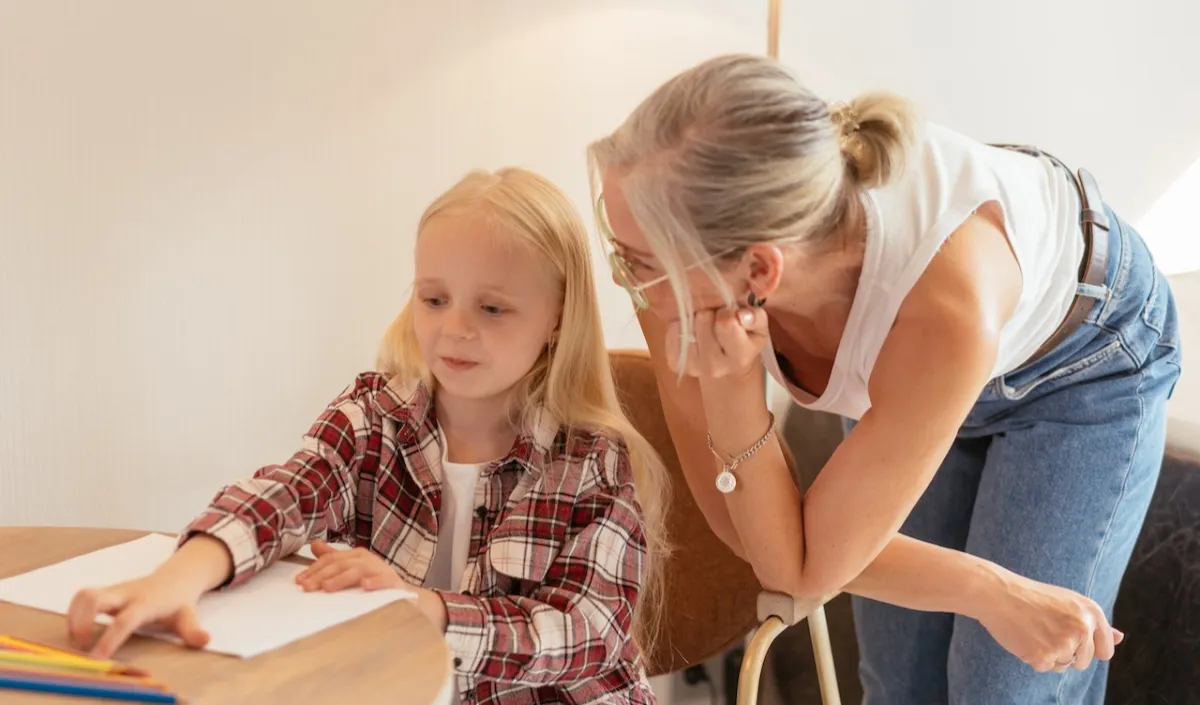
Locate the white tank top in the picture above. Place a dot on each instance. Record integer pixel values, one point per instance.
(947, 178)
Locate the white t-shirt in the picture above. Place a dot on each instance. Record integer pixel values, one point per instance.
(454, 523)
(946, 179)
(454, 528)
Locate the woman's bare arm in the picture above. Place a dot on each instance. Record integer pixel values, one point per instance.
(928, 376)
(683, 409)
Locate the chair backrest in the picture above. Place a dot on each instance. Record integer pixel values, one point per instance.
(710, 593)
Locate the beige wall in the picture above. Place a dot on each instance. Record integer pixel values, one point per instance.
(206, 209)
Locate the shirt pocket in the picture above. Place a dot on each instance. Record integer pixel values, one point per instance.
(522, 555)
(529, 536)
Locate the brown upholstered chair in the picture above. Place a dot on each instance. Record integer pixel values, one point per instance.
(713, 598)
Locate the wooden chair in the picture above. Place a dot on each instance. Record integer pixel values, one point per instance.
(713, 598)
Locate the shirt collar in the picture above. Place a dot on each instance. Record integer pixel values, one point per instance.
(410, 403)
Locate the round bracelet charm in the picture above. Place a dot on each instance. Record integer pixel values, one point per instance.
(726, 482)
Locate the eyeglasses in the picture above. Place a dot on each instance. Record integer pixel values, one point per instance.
(621, 269)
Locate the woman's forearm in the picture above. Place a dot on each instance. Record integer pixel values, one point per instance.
(765, 508)
(921, 576)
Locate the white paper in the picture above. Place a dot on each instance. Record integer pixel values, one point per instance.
(264, 613)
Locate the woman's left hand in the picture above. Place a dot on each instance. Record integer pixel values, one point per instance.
(339, 570)
(723, 342)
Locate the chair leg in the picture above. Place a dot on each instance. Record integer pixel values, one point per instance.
(756, 656)
(818, 630)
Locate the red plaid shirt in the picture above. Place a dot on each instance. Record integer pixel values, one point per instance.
(556, 555)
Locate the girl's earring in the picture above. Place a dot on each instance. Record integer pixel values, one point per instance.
(755, 302)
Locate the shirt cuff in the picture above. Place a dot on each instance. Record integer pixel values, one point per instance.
(237, 536)
(468, 631)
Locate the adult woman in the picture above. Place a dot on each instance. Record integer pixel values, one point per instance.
(1004, 364)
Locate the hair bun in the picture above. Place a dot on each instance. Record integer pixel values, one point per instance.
(877, 130)
(845, 117)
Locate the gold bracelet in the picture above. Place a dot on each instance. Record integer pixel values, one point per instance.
(726, 482)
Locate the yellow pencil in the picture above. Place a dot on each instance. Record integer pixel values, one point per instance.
(71, 662)
(25, 645)
(34, 647)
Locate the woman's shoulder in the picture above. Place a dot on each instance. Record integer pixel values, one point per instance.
(947, 176)
(932, 168)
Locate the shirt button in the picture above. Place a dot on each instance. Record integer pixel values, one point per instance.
(481, 512)
(457, 662)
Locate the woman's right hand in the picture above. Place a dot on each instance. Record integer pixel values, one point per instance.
(1049, 627)
(156, 600)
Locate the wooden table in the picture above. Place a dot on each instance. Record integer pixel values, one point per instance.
(392, 655)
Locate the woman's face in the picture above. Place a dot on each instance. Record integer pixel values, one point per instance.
(635, 266)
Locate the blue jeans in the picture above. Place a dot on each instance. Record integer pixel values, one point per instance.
(1050, 477)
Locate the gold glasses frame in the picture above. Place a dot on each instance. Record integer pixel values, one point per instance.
(621, 269)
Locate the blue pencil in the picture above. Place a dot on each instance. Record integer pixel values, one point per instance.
(95, 690)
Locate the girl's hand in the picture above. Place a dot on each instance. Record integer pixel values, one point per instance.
(338, 570)
(156, 600)
(165, 599)
(724, 342)
(1051, 628)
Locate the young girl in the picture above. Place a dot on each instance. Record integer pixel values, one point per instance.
(487, 461)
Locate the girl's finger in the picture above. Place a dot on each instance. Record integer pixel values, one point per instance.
(348, 578)
(86, 605)
(187, 626)
(123, 625)
(320, 548)
(328, 565)
(381, 581)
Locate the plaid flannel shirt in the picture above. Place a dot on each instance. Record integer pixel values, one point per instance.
(556, 551)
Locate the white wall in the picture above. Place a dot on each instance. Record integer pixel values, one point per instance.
(1107, 84)
(206, 209)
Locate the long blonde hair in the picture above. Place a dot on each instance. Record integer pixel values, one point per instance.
(734, 152)
(572, 380)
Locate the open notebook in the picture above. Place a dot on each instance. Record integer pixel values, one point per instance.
(264, 613)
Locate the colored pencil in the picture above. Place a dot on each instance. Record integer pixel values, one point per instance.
(70, 661)
(59, 672)
(34, 647)
(7, 645)
(14, 643)
(62, 686)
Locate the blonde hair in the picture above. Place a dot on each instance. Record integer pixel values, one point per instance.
(572, 380)
(736, 151)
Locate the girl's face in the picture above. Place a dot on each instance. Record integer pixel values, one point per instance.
(484, 306)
